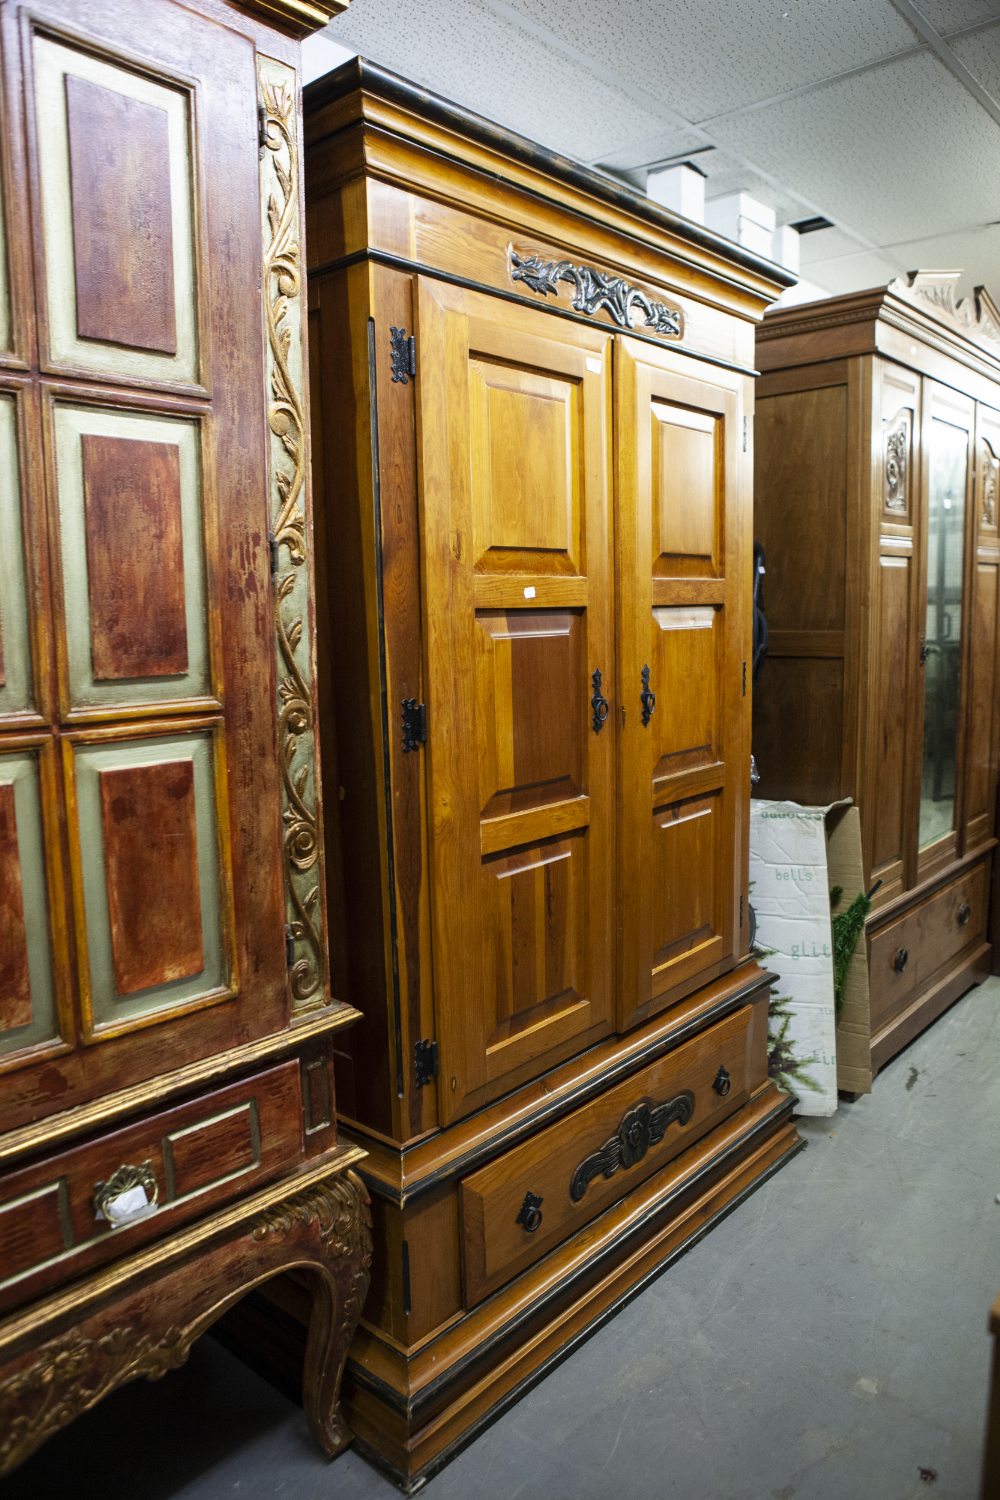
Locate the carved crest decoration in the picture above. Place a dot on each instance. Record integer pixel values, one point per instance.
(595, 291)
(977, 316)
(897, 458)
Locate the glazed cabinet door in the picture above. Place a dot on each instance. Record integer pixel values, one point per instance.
(683, 570)
(513, 437)
(982, 750)
(943, 653)
(140, 804)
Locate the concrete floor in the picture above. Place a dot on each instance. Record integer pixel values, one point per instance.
(826, 1342)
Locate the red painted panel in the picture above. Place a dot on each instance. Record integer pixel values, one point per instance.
(15, 981)
(135, 558)
(151, 868)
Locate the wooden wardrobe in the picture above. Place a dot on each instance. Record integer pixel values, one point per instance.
(877, 461)
(532, 403)
(167, 1131)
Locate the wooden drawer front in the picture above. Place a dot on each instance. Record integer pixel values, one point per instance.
(907, 955)
(570, 1172)
(199, 1155)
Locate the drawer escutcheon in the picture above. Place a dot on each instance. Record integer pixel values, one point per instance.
(641, 1127)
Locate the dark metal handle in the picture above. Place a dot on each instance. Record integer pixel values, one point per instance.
(901, 960)
(923, 651)
(723, 1083)
(530, 1216)
(646, 697)
(964, 913)
(642, 1126)
(598, 703)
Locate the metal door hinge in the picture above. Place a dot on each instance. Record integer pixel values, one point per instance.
(273, 553)
(425, 1061)
(741, 908)
(289, 947)
(261, 130)
(744, 679)
(414, 724)
(404, 355)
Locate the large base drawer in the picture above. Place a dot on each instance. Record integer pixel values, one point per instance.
(54, 1215)
(910, 953)
(517, 1208)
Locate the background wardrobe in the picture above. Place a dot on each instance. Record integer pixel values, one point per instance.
(536, 719)
(166, 1019)
(877, 461)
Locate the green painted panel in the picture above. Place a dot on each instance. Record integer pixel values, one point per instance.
(20, 770)
(16, 689)
(53, 62)
(71, 423)
(109, 1007)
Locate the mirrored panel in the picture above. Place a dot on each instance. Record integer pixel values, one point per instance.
(949, 462)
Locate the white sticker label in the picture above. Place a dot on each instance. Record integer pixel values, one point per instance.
(127, 1207)
(529, 592)
(594, 365)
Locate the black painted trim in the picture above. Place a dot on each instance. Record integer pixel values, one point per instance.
(359, 73)
(418, 268)
(397, 1012)
(548, 1113)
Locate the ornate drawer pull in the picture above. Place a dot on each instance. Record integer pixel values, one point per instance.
(723, 1083)
(964, 914)
(530, 1216)
(901, 959)
(647, 697)
(598, 703)
(641, 1127)
(129, 1194)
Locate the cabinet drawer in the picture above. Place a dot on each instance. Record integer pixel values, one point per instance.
(909, 954)
(197, 1155)
(520, 1206)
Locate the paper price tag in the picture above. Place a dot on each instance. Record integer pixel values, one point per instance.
(127, 1208)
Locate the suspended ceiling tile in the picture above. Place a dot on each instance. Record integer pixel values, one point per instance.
(952, 15)
(653, 150)
(726, 175)
(703, 59)
(898, 152)
(854, 273)
(981, 55)
(476, 58)
(827, 244)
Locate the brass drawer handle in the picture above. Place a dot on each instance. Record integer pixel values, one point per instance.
(530, 1216)
(723, 1083)
(964, 914)
(901, 960)
(130, 1194)
(641, 1127)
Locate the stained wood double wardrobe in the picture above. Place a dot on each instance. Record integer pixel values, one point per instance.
(532, 394)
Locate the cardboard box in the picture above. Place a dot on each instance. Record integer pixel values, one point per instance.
(797, 854)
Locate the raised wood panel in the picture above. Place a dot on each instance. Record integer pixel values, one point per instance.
(801, 468)
(119, 160)
(15, 977)
(15, 640)
(678, 486)
(28, 1012)
(117, 179)
(213, 1150)
(34, 1228)
(897, 472)
(798, 728)
(890, 719)
(153, 890)
(514, 484)
(135, 558)
(151, 868)
(526, 480)
(981, 748)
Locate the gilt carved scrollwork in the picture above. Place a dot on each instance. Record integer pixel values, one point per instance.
(643, 1126)
(595, 291)
(897, 462)
(288, 459)
(73, 1373)
(989, 472)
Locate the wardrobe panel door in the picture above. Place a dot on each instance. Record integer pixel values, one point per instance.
(981, 751)
(513, 413)
(681, 687)
(888, 802)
